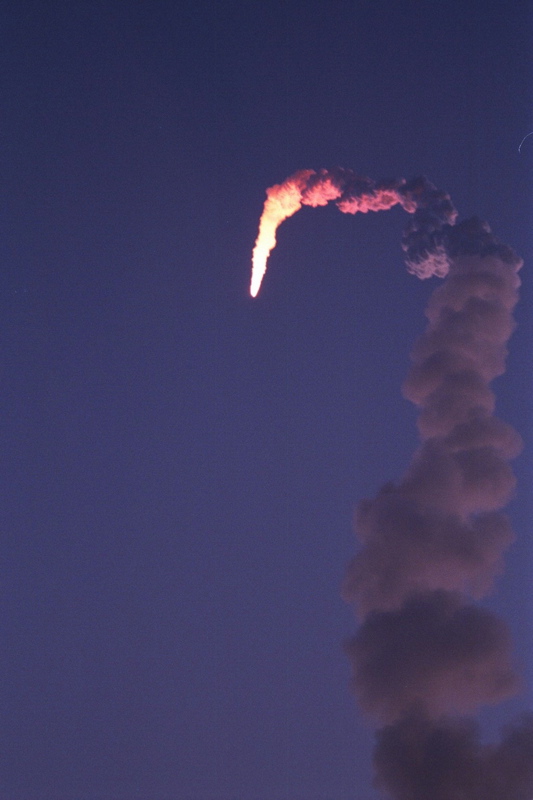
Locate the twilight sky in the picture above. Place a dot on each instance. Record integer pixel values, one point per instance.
(181, 463)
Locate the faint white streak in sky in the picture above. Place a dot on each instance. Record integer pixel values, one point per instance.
(523, 140)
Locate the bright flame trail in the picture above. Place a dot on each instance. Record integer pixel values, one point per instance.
(434, 542)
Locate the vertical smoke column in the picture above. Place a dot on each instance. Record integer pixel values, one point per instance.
(436, 539)
(432, 544)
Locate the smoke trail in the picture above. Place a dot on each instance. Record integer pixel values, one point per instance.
(435, 540)
(423, 239)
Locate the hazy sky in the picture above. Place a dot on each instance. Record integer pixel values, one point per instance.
(181, 463)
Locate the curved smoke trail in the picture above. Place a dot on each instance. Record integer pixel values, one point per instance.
(432, 211)
(433, 542)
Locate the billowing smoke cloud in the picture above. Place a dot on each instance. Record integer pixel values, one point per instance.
(435, 651)
(432, 544)
(420, 759)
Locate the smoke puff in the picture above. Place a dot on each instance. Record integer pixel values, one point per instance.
(473, 236)
(434, 651)
(485, 432)
(424, 387)
(412, 548)
(468, 481)
(418, 759)
(459, 396)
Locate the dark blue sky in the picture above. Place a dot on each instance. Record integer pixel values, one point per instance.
(180, 464)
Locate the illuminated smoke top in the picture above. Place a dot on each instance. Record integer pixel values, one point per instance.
(431, 545)
(432, 212)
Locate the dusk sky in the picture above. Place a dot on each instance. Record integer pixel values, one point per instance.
(181, 463)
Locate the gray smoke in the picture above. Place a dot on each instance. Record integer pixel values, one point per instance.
(432, 544)
(436, 539)
(423, 759)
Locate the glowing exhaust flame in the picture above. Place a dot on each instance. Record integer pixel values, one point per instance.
(282, 202)
(434, 541)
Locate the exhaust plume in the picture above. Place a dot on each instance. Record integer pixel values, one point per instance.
(432, 211)
(432, 544)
